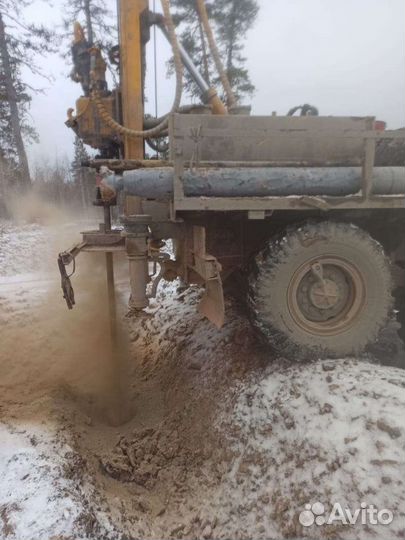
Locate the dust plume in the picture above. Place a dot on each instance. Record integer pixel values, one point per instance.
(45, 348)
(32, 208)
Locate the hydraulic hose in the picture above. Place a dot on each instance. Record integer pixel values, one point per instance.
(157, 145)
(209, 95)
(202, 12)
(306, 110)
(153, 132)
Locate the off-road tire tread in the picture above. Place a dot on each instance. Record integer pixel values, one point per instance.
(263, 279)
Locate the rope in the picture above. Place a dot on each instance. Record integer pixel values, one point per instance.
(202, 12)
(155, 61)
(128, 132)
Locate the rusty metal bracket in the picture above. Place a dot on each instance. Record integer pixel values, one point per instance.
(212, 304)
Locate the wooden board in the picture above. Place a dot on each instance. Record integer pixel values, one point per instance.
(312, 140)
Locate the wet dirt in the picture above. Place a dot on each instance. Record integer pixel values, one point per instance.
(183, 431)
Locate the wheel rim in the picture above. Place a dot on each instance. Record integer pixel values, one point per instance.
(326, 295)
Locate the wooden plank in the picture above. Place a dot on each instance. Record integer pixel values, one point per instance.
(275, 122)
(297, 134)
(104, 249)
(313, 139)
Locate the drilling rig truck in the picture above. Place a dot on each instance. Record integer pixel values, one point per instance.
(298, 207)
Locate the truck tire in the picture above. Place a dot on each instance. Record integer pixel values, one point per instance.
(322, 290)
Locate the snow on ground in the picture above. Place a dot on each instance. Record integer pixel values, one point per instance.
(38, 495)
(329, 432)
(184, 431)
(21, 248)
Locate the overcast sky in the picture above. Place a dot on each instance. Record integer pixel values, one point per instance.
(347, 57)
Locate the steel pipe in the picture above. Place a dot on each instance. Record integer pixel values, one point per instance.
(259, 182)
(189, 64)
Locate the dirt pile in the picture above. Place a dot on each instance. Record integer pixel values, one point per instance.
(248, 440)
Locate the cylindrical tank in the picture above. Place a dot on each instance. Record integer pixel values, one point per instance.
(259, 182)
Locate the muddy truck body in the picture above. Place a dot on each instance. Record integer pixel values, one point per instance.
(303, 216)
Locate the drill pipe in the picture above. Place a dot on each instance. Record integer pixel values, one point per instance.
(259, 182)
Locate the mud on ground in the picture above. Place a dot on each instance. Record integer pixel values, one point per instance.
(184, 431)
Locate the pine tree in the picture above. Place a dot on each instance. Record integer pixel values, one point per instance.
(98, 21)
(231, 20)
(82, 177)
(234, 18)
(20, 44)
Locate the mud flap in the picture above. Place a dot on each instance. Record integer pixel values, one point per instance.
(212, 304)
